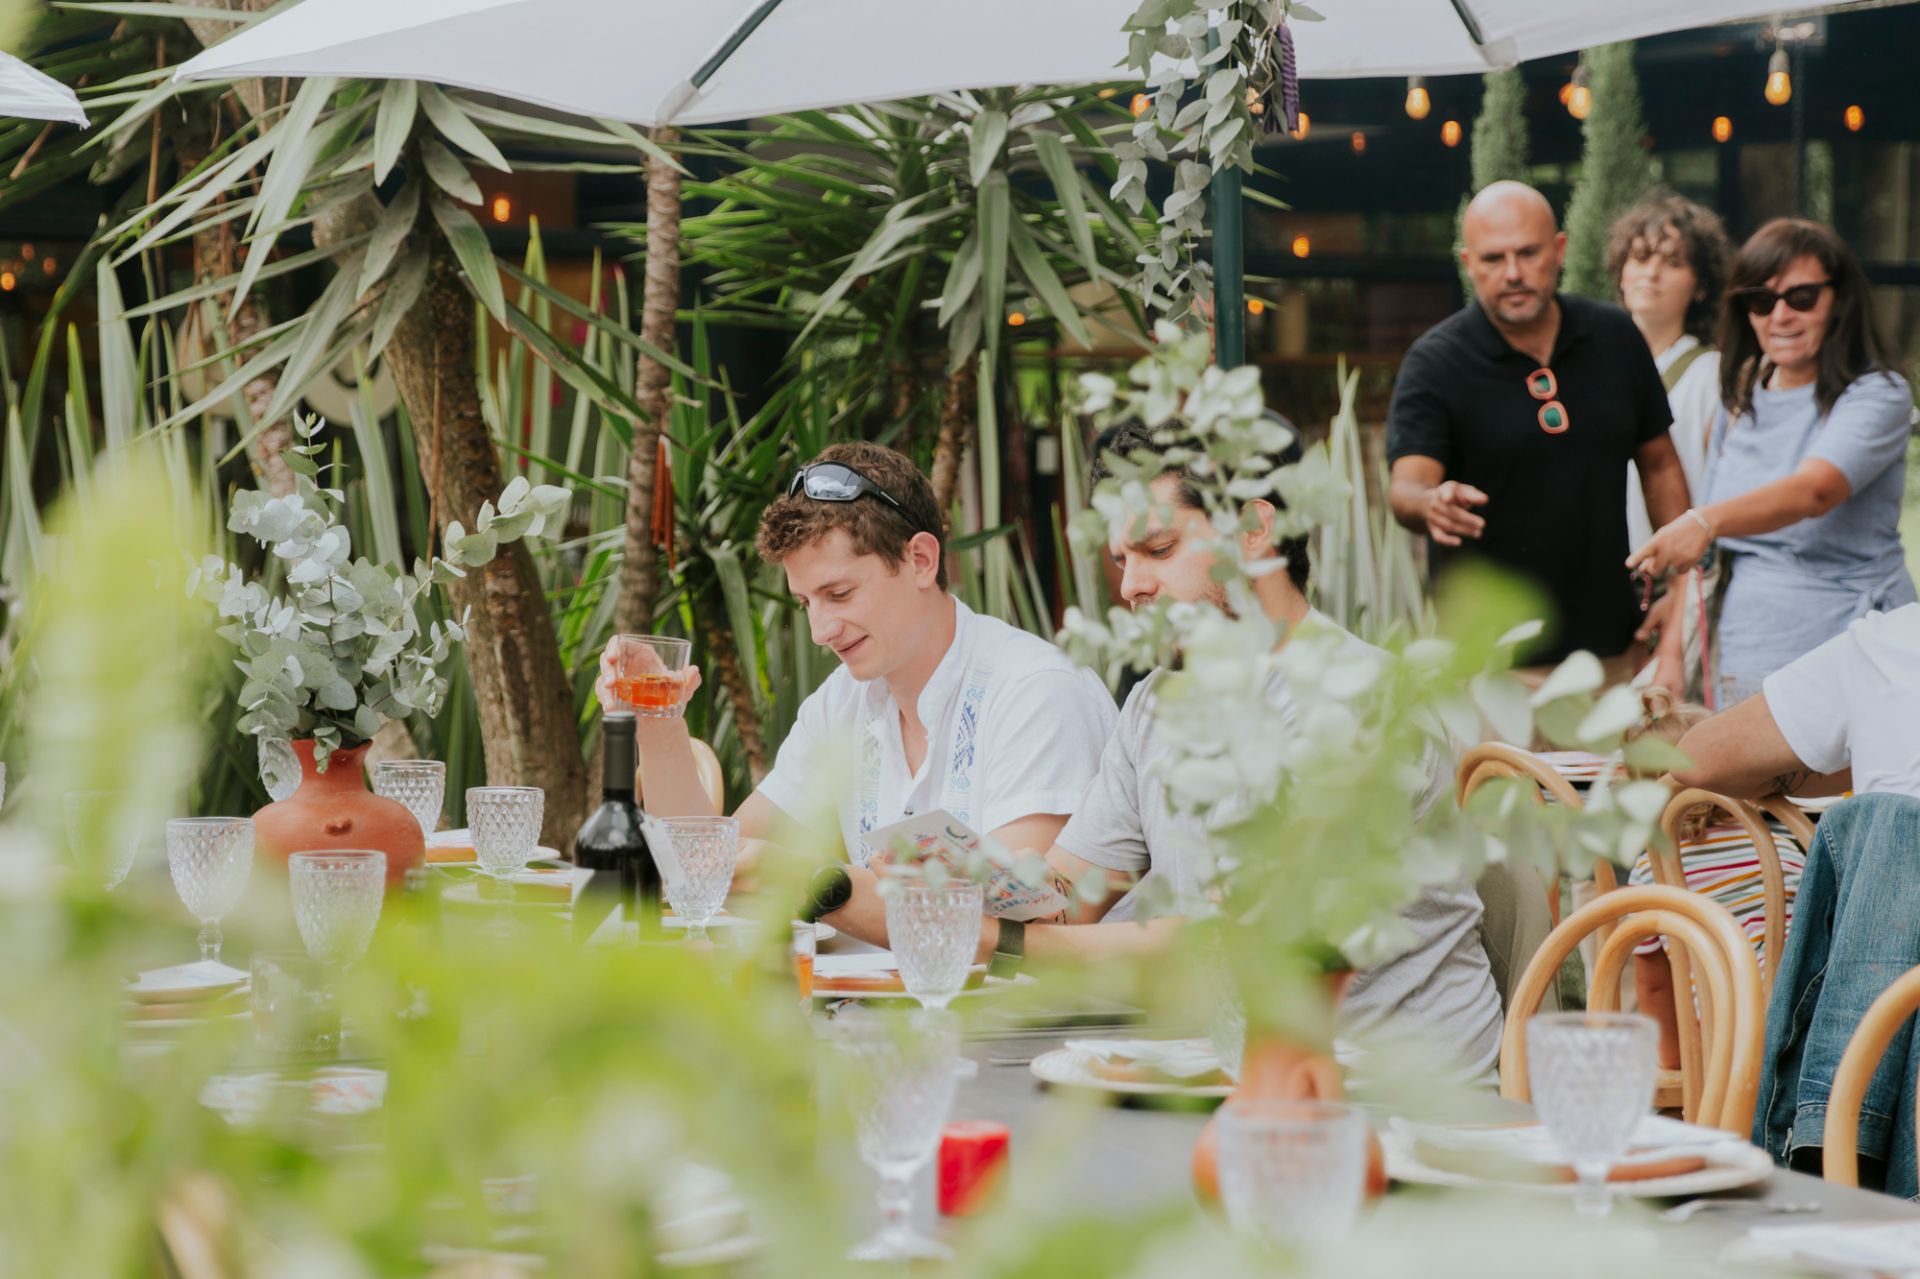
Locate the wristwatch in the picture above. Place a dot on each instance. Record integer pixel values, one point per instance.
(1009, 949)
(827, 891)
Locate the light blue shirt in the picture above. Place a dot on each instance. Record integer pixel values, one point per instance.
(1797, 587)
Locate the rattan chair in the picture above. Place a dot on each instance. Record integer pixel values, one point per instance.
(1491, 760)
(1840, 1153)
(1720, 1053)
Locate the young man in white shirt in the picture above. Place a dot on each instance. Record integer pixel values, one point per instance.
(933, 706)
(1844, 717)
(1440, 989)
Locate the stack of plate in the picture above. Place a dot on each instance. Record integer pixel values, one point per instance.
(168, 1002)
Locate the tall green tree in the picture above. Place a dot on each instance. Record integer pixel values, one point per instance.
(1499, 143)
(1615, 168)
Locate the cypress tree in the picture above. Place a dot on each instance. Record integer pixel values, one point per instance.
(1499, 143)
(1615, 169)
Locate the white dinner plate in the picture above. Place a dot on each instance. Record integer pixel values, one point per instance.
(1735, 1164)
(821, 932)
(1074, 1068)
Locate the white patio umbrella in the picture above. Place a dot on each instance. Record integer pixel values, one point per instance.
(32, 95)
(701, 61)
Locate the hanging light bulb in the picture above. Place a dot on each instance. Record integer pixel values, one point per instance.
(1418, 101)
(1450, 133)
(1358, 142)
(1722, 128)
(1856, 119)
(1302, 246)
(1580, 92)
(1138, 104)
(1300, 134)
(1779, 82)
(1255, 306)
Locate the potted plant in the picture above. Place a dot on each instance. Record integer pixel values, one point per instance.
(341, 649)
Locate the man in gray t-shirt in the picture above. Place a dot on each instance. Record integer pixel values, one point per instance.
(1439, 991)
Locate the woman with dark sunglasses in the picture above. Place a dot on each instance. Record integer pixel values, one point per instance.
(1807, 461)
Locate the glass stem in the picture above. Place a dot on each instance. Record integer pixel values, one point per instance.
(210, 939)
(895, 1197)
(1591, 1195)
(696, 930)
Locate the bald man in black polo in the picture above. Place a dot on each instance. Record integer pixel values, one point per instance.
(1512, 425)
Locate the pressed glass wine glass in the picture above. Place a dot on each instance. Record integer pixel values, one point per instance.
(506, 830)
(934, 932)
(900, 1073)
(210, 859)
(706, 849)
(419, 784)
(336, 902)
(1292, 1172)
(123, 846)
(1592, 1076)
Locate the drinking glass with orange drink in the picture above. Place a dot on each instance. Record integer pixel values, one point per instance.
(803, 943)
(650, 674)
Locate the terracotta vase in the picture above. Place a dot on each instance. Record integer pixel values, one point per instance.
(1276, 1069)
(335, 809)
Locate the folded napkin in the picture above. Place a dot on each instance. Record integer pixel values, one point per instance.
(870, 963)
(1657, 1140)
(1174, 1058)
(1881, 1247)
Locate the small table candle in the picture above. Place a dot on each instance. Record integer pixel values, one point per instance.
(973, 1158)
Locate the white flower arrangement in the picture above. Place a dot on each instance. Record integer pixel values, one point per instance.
(342, 650)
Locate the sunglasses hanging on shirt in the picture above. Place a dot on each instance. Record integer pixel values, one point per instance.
(1760, 300)
(1542, 385)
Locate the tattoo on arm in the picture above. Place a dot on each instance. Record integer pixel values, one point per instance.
(1792, 781)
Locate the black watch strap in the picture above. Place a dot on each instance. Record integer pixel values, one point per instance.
(828, 890)
(1009, 948)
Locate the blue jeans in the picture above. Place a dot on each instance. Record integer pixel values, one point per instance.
(1856, 928)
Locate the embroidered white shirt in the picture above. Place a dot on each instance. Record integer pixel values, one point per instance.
(1014, 729)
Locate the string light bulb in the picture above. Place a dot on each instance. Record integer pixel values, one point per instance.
(1016, 319)
(1856, 119)
(1358, 142)
(1255, 306)
(49, 265)
(27, 251)
(1722, 128)
(1300, 134)
(1779, 89)
(1419, 102)
(502, 208)
(1580, 92)
(1139, 104)
(7, 281)
(1301, 244)
(1450, 133)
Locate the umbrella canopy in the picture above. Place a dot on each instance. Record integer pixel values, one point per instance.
(701, 61)
(28, 94)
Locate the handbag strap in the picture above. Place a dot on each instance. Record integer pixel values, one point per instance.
(1678, 369)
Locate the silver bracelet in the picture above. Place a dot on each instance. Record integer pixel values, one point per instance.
(1702, 521)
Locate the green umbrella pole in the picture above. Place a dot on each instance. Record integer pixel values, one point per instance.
(1229, 270)
(1229, 262)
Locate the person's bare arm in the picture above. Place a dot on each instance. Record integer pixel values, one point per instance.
(1742, 753)
(1811, 491)
(1424, 500)
(1663, 481)
(865, 915)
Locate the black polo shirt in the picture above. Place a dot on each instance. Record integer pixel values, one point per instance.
(1556, 504)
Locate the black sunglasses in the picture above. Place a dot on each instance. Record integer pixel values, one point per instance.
(838, 482)
(1760, 300)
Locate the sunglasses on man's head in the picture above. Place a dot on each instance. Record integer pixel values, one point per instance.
(1760, 300)
(838, 482)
